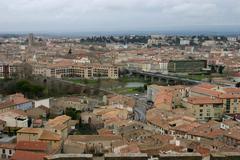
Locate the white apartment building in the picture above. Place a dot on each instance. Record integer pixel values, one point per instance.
(14, 119)
(184, 42)
(76, 68)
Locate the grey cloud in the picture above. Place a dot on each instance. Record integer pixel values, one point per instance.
(88, 15)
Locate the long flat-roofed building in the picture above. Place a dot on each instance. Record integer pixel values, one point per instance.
(69, 68)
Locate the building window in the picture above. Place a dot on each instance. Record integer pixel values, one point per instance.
(228, 105)
(3, 151)
(10, 151)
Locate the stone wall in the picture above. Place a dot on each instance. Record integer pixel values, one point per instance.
(225, 156)
(182, 156)
(142, 156)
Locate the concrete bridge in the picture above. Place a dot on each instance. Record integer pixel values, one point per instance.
(158, 77)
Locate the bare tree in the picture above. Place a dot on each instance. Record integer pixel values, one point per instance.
(24, 71)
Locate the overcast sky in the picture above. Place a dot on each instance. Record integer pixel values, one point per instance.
(114, 15)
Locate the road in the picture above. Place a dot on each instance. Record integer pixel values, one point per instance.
(141, 107)
(140, 114)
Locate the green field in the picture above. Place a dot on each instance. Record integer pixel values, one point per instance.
(117, 86)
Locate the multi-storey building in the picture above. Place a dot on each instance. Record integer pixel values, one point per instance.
(186, 66)
(70, 68)
(205, 108)
(211, 102)
(168, 97)
(15, 101)
(6, 70)
(83, 71)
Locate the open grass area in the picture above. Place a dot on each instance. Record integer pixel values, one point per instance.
(95, 81)
(84, 81)
(119, 85)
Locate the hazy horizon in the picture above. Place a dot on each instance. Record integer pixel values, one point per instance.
(53, 16)
(194, 30)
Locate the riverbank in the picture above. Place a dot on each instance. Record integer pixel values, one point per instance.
(124, 85)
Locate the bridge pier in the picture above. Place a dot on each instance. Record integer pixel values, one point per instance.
(167, 81)
(145, 78)
(152, 79)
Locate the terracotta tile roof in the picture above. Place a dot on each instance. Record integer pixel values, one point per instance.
(18, 98)
(205, 91)
(234, 133)
(25, 155)
(6, 104)
(102, 111)
(204, 100)
(19, 111)
(132, 148)
(206, 85)
(203, 151)
(220, 92)
(162, 138)
(124, 100)
(30, 130)
(209, 130)
(232, 90)
(32, 146)
(215, 133)
(59, 119)
(163, 118)
(60, 127)
(47, 135)
(88, 138)
(229, 95)
(8, 145)
(186, 127)
(171, 147)
(159, 122)
(105, 131)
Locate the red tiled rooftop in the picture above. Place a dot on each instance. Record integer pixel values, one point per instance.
(233, 133)
(25, 155)
(232, 90)
(18, 98)
(8, 145)
(47, 135)
(32, 146)
(132, 148)
(6, 104)
(204, 100)
(205, 91)
(187, 127)
(206, 86)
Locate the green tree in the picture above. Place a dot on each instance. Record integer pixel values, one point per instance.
(71, 112)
